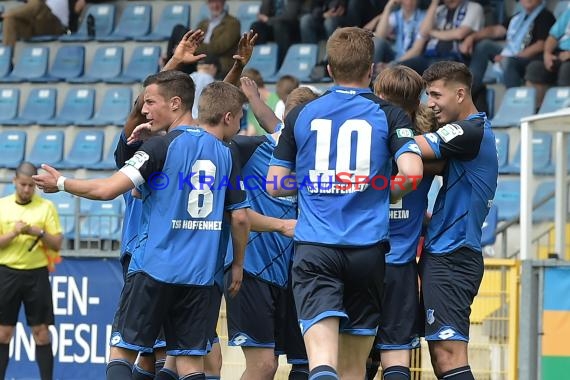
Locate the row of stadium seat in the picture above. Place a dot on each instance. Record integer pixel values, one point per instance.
(78, 107)
(48, 148)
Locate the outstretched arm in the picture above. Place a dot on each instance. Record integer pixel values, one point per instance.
(242, 57)
(184, 52)
(262, 112)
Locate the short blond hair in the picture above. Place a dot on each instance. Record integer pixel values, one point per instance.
(298, 96)
(400, 85)
(350, 53)
(217, 99)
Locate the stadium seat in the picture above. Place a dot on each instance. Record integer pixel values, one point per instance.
(541, 155)
(104, 15)
(134, 22)
(68, 63)
(33, 63)
(488, 235)
(13, 148)
(172, 15)
(143, 62)
(78, 106)
(106, 64)
(8, 189)
(47, 149)
(66, 206)
(555, 99)
(508, 198)
(39, 107)
(5, 61)
(103, 220)
(114, 109)
(299, 61)
(247, 14)
(502, 142)
(108, 162)
(87, 149)
(518, 102)
(9, 104)
(544, 213)
(264, 59)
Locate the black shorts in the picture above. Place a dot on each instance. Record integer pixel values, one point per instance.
(253, 314)
(216, 300)
(289, 335)
(400, 323)
(147, 305)
(449, 283)
(125, 262)
(30, 287)
(339, 282)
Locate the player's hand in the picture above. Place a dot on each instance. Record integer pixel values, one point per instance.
(237, 277)
(249, 88)
(184, 52)
(245, 47)
(21, 227)
(549, 60)
(288, 228)
(47, 182)
(141, 132)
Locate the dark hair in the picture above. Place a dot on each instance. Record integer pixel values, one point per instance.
(173, 83)
(449, 71)
(26, 169)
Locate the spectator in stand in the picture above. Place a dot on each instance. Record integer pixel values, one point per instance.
(321, 21)
(278, 20)
(400, 26)
(76, 8)
(222, 34)
(554, 69)
(206, 71)
(524, 35)
(443, 28)
(35, 18)
(283, 88)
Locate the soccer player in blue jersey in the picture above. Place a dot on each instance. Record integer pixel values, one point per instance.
(264, 331)
(341, 146)
(451, 267)
(171, 275)
(399, 328)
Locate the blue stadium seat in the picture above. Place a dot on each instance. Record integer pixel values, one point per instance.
(78, 106)
(9, 104)
(544, 213)
(541, 155)
(299, 61)
(13, 148)
(555, 99)
(502, 142)
(172, 15)
(47, 149)
(518, 102)
(264, 59)
(66, 206)
(87, 149)
(103, 220)
(508, 198)
(108, 162)
(39, 107)
(247, 14)
(135, 22)
(551, 168)
(5, 61)
(488, 235)
(106, 64)
(143, 62)
(33, 63)
(114, 109)
(68, 63)
(104, 15)
(8, 189)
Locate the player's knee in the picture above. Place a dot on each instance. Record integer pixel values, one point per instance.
(447, 355)
(265, 368)
(41, 334)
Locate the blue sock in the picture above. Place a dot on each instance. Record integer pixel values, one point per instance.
(461, 373)
(141, 374)
(118, 369)
(166, 374)
(396, 372)
(194, 376)
(323, 372)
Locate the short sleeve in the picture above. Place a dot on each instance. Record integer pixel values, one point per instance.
(558, 30)
(401, 135)
(460, 141)
(286, 151)
(52, 225)
(147, 160)
(474, 17)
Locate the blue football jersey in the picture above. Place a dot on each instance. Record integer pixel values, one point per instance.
(341, 146)
(469, 184)
(406, 221)
(268, 254)
(188, 179)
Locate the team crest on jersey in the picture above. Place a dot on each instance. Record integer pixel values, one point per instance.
(430, 318)
(449, 131)
(404, 132)
(138, 160)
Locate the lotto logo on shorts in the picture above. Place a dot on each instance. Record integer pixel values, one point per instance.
(239, 340)
(116, 339)
(446, 334)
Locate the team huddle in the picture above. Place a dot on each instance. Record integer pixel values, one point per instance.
(326, 277)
